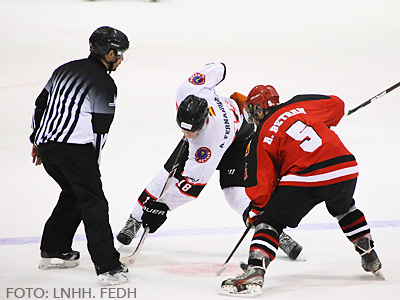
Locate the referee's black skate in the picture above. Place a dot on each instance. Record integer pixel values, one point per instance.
(290, 247)
(114, 277)
(128, 233)
(248, 284)
(369, 259)
(59, 260)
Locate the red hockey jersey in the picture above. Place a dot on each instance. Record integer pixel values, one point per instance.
(294, 146)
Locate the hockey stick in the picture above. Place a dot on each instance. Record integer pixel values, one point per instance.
(373, 98)
(130, 259)
(234, 250)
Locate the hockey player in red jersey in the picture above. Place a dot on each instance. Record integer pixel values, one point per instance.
(294, 162)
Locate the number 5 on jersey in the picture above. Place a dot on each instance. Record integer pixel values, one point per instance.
(310, 140)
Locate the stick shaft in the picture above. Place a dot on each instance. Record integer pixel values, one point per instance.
(238, 243)
(175, 165)
(234, 250)
(139, 246)
(131, 258)
(381, 94)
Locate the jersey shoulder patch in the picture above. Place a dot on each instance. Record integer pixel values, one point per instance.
(197, 79)
(202, 155)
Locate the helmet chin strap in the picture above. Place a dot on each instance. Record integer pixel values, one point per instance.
(110, 66)
(111, 63)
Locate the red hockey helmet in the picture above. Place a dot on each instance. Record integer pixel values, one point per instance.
(264, 95)
(260, 97)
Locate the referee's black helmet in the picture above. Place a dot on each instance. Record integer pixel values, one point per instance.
(106, 38)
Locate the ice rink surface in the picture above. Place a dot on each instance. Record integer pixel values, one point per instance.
(348, 48)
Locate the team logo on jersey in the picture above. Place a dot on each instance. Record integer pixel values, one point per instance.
(197, 79)
(202, 155)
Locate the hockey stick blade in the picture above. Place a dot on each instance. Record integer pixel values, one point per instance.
(222, 269)
(381, 94)
(131, 258)
(234, 250)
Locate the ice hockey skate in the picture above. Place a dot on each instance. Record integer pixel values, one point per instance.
(59, 260)
(292, 248)
(369, 259)
(114, 277)
(128, 233)
(249, 284)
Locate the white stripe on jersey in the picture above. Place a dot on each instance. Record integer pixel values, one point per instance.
(321, 177)
(64, 111)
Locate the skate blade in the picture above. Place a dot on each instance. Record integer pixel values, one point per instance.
(250, 292)
(301, 257)
(47, 263)
(113, 279)
(379, 275)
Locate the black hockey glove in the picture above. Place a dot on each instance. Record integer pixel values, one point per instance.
(251, 215)
(246, 215)
(154, 215)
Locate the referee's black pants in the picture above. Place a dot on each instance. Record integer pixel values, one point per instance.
(75, 168)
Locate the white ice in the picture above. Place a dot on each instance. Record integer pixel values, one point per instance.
(348, 48)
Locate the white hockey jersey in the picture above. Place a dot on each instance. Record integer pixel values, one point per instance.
(208, 147)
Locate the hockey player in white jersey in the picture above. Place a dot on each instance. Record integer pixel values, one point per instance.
(217, 137)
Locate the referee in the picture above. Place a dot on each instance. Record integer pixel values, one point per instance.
(70, 125)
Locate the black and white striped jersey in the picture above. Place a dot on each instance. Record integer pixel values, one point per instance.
(76, 106)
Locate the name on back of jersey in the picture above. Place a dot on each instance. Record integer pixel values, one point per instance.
(280, 120)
